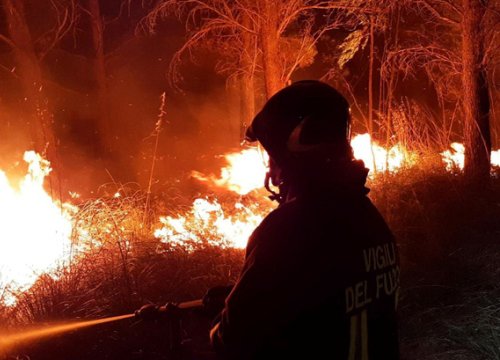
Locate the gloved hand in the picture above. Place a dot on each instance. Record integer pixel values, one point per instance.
(214, 299)
(148, 312)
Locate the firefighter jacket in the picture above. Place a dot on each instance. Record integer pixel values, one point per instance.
(320, 281)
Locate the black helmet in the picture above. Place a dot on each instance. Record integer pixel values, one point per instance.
(307, 117)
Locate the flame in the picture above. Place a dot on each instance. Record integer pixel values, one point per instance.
(35, 232)
(231, 226)
(455, 156)
(208, 221)
(247, 169)
(244, 173)
(378, 158)
(495, 158)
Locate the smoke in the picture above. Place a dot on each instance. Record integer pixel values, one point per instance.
(114, 143)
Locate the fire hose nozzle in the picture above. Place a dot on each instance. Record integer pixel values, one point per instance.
(149, 312)
(168, 311)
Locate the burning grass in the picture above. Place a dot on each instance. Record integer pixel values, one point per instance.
(117, 264)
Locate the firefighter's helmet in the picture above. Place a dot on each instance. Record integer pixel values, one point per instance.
(306, 117)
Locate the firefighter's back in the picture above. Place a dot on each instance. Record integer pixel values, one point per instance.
(343, 274)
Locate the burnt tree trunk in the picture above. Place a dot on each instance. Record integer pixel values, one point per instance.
(99, 67)
(35, 104)
(476, 101)
(269, 43)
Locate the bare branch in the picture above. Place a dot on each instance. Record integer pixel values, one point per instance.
(188, 46)
(433, 7)
(8, 41)
(65, 20)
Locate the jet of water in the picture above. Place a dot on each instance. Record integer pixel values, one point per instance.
(7, 340)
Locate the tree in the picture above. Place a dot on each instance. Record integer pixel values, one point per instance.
(455, 51)
(29, 51)
(99, 61)
(269, 37)
(213, 25)
(476, 103)
(365, 22)
(264, 38)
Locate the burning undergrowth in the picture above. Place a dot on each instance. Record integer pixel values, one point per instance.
(125, 218)
(127, 247)
(124, 254)
(112, 229)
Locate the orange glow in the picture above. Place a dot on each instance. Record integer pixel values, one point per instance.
(35, 232)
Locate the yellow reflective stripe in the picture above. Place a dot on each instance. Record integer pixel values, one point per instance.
(362, 342)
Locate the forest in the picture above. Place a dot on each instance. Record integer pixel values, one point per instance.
(125, 178)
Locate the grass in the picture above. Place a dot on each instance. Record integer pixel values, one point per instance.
(447, 234)
(449, 318)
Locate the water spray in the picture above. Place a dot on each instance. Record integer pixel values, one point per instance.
(170, 311)
(27, 335)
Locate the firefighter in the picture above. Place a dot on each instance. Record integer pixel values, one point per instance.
(321, 272)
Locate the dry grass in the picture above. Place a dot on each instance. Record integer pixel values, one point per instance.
(118, 265)
(448, 318)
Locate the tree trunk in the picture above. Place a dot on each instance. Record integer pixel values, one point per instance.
(99, 67)
(389, 84)
(476, 103)
(247, 91)
(39, 118)
(369, 126)
(269, 39)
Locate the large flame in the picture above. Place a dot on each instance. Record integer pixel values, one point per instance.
(35, 231)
